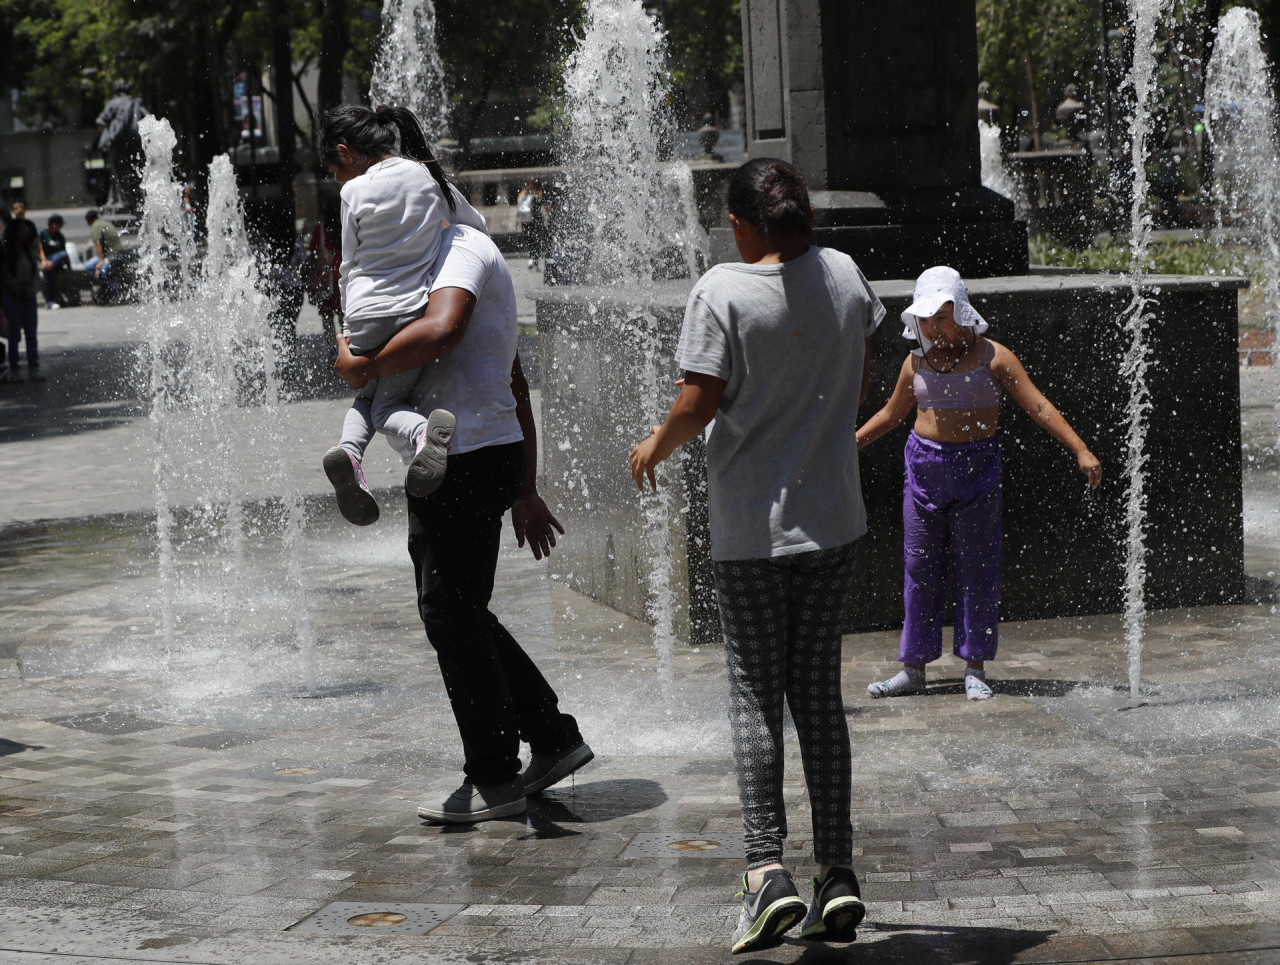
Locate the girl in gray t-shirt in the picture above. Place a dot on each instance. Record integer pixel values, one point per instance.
(775, 351)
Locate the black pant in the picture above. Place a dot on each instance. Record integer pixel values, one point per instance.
(499, 696)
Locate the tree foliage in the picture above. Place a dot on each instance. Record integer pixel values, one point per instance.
(704, 38)
(182, 57)
(1029, 50)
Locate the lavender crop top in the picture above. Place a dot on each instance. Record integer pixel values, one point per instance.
(974, 389)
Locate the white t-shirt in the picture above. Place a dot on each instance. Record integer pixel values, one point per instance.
(782, 454)
(473, 380)
(392, 216)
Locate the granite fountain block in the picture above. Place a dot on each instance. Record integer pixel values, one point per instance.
(1064, 547)
(599, 348)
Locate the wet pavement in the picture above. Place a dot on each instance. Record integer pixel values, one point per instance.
(241, 786)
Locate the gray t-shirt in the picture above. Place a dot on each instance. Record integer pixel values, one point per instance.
(782, 455)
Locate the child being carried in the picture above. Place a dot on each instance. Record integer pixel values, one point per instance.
(394, 209)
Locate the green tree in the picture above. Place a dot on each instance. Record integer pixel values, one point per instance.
(497, 47)
(704, 38)
(1029, 50)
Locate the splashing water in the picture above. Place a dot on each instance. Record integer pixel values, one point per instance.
(163, 228)
(639, 222)
(1144, 16)
(408, 71)
(994, 173)
(638, 210)
(1240, 108)
(209, 364)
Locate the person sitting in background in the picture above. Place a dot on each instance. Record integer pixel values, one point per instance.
(53, 247)
(106, 242)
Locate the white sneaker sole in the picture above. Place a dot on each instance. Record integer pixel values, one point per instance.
(510, 809)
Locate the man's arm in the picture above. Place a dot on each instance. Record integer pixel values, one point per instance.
(529, 514)
(419, 343)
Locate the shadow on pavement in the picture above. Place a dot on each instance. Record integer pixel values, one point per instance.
(917, 944)
(1029, 687)
(8, 747)
(93, 388)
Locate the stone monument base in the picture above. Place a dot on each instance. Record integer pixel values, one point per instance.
(1064, 546)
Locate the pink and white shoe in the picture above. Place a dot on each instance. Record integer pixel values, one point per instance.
(355, 502)
(426, 471)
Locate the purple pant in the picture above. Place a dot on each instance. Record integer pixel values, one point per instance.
(951, 504)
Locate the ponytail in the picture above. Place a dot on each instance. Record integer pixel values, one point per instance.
(414, 146)
(373, 133)
(772, 195)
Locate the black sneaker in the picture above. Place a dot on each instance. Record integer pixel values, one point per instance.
(478, 802)
(767, 913)
(426, 471)
(837, 908)
(547, 769)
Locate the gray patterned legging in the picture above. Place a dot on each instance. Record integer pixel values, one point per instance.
(781, 619)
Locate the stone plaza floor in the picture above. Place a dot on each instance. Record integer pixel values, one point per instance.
(238, 788)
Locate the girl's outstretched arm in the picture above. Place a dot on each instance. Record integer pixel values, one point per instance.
(697, 404)
(1009, 371)
(895, 410)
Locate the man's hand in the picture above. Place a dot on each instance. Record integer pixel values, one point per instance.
(351, 368)
(534, 522)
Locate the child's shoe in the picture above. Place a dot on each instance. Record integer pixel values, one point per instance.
(837, 908)
(767, 913)
(975, 685)
(426, 471)
(907, 681)
(355, 502)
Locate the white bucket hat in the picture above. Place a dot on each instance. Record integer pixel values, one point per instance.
(935, 288)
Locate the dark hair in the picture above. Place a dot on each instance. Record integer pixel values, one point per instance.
(373, 133)
(770, 194)
(91, 215)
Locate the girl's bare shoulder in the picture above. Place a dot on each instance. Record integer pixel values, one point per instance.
(998, 354)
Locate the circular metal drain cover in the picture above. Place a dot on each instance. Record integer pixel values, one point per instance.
(680, 845)
(376, 919)
(696, 844)
(380, 918)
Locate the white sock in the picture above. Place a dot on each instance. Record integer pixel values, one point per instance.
(908, 680)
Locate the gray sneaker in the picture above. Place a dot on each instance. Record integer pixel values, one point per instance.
(837, 908)
(478, 802)
(426, 471)
(547, 769)
(767, 913)
(355, 502)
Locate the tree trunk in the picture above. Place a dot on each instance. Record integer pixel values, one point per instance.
(282, 83)
(335, 40)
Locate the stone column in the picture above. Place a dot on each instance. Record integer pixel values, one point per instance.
(875, 103)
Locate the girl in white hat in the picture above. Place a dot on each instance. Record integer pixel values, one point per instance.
(951, 494)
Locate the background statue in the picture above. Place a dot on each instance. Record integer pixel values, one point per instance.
(121, 144)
